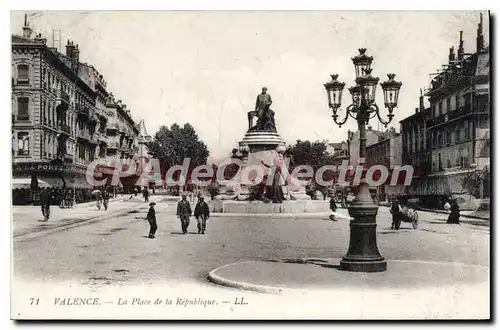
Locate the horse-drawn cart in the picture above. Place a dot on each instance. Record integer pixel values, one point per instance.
(406, 214)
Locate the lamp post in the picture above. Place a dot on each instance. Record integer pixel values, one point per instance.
(363, 254)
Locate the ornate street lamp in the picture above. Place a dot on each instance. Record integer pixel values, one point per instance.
(363, 254)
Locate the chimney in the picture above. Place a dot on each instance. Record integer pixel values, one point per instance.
(69, 49)
(39, 39)
(461, 47)
(421, 101)
(27, 31)
(480, 38)
(416, 110)
(451, 56)
(77, 53)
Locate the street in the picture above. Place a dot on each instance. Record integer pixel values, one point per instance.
(117, 250)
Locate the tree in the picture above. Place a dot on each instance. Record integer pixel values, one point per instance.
(172, 145)
(315, 155)
(475, 180)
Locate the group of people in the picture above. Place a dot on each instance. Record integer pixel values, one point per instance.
(184, 212)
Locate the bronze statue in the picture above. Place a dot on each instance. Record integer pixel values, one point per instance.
(265, 115)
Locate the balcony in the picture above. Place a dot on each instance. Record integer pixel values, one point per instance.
(112, 126)
(113, 145)
(62, 97)
(458, 113)
(83, 135)
(436, 121)
(64, 129)
(93, 139)
(82, 110)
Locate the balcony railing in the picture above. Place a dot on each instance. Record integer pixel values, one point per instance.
(113, 145)
(65, 129)
(436, 121)
(112, 126)
(81, 109)
(63, 96)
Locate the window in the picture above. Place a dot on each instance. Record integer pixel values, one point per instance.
(23, 140)
(457, 102)
(448, 104)
(484, 122)
(23, 108)
(440, 108)
(466, 130)
(23, 74)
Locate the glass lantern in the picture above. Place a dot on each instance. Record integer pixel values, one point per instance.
(334, 92)
(362, 62)
(356, 95)
(391, 89)
(368, 87)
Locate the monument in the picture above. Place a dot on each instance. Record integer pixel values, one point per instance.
(263, 147)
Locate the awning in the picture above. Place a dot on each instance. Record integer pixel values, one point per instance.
(20, 183)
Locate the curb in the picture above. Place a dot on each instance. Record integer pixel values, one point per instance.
(219, 280)
(214, 278)
(78, 223)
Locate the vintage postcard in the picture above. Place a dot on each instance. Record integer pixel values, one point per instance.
(198, 165)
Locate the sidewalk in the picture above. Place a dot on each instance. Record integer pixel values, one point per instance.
(26, 220)
(302, 275)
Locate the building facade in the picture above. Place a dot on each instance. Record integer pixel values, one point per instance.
(451, 139)
(62, 118)
(387, 152)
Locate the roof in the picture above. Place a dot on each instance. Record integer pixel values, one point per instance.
(21, 40)
(336, 145)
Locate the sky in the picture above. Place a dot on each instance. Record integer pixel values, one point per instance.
(206, 68)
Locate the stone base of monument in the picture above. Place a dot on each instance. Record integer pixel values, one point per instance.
(296, 206)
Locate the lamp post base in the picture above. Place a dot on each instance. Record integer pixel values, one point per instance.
(364, 266)
(363, 254)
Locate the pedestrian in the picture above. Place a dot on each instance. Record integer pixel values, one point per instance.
(454, 217)
(105, 199)
(396, 216)
(333, 207)
(151, 218)
(184, 212)
(45, 203)
(201, 213)
(145, 194)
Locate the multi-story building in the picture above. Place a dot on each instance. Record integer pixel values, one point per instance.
(62, 116)
(372, 137)
(456, 126)
(387, 152)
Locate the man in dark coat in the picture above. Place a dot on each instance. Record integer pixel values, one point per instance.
(395, 214)
(45, 203)
(145, 194)
(184, 212)
(201, 213)
(151, 218)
